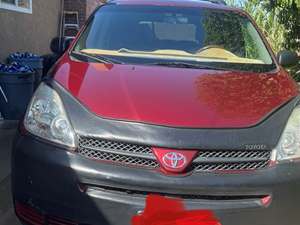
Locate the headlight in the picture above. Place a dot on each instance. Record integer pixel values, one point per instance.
(288, 147)
(46, 118)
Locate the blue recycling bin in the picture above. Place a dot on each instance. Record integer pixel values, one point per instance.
(31, 60)
(16, 90)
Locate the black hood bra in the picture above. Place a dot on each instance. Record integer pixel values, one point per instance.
(266, 133)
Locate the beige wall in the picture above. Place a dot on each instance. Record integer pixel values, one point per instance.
(29, 32)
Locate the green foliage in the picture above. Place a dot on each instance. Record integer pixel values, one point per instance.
(268, 23)
(231, 38)
(279, 20)
(250, 46)
(235, 37)
(288, 14)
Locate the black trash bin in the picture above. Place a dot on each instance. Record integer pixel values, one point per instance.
(16, 89)
(31, 60)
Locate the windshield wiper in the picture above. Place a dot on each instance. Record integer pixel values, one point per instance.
(186, 65)
(97, 58)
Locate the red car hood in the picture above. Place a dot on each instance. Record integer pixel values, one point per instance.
(175, 97)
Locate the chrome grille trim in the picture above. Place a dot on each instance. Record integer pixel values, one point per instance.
(142, 156)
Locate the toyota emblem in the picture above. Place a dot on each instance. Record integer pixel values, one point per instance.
(174, 160)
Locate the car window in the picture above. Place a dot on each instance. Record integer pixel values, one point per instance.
(174, 33)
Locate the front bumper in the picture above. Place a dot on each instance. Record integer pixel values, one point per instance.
(61, 183)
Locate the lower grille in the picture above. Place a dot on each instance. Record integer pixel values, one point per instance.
(31, 216)
(142, 156)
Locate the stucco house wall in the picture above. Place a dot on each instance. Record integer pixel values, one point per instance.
(29, 31)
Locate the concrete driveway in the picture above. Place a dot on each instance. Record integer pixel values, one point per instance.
(7, 216)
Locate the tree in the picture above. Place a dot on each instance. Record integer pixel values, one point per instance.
(278, 19)
(280, 22)
(288, 15)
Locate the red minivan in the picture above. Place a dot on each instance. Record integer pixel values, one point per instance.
(183, 99)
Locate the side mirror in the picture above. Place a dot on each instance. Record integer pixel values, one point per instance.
(60, 45)
(287, 58)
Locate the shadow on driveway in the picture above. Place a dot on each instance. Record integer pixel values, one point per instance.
(7, 215)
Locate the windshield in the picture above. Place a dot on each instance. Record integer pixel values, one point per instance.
(152, 34)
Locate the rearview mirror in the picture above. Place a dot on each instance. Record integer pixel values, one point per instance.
(287, 58)
(60, 45)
